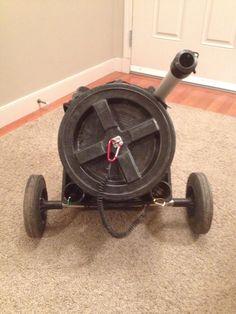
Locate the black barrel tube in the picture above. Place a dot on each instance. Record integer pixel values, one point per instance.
(183, 64)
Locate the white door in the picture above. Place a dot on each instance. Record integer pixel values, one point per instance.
(163, 27)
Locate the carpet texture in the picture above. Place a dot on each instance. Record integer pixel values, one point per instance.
(160, 268)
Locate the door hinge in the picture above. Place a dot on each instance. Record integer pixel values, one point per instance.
(130, 38)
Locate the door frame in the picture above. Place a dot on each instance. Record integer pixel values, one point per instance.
(128, 67)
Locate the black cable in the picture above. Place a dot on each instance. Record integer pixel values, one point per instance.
(100, 205)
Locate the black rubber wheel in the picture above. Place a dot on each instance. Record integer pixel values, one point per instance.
(201, 213)
(34, 217)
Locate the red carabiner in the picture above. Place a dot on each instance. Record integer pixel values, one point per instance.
(117, 144)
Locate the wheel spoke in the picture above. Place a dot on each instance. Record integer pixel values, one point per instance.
(91, 152)
(104, 114)
(128, 166)
(143, 129)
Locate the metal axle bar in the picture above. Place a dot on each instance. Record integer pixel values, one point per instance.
(175, 202)
(182, 202)
(51, 205)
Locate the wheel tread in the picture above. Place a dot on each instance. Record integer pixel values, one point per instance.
(201, 219)
(34, 224)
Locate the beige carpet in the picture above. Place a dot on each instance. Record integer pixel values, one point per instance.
(160, 268)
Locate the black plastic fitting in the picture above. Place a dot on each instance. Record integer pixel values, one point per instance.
(184, 63)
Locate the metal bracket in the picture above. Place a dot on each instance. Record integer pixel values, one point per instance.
(161, 202)
(130, 38)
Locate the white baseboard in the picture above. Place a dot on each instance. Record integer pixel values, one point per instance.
(190, 79)
(28, 104)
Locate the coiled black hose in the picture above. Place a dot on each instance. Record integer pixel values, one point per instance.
(100, 206)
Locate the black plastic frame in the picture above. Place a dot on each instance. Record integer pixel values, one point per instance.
(87, 201)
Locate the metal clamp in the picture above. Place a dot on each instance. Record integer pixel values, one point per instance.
(161, 202)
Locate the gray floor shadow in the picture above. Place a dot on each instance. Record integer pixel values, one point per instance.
(169, 227)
